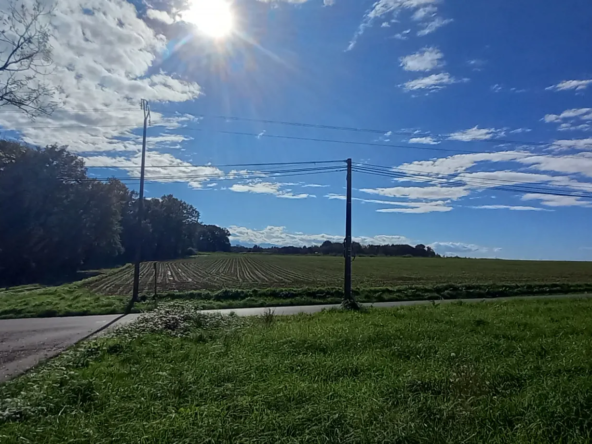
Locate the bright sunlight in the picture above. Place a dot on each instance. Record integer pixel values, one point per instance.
(212, 17)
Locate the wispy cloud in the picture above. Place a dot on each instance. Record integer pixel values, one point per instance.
(576, 144)
(461, 248)
(432, 26)
(433, 82)
(558, 201)
(424, 13)
(476, 133)
(161, 167)
(402, 207)
(424, 140)
(428, 193)
(273, 188)
(577, 119)
(509, 207)
(427, 59)
(570, 85)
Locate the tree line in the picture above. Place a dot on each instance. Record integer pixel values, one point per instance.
(337, 249)
(55, 219)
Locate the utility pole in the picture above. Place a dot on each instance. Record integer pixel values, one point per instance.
(146, 109)
(347, 286)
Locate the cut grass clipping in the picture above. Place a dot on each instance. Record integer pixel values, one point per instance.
(495, 372)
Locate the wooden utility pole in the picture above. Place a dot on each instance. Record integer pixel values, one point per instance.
(146, 109)
(347, 286)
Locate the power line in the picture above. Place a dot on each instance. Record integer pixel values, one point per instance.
(516, 189)
(345, 142)
(235, 165)
(438, 176)
(236, 176)
(318, 126)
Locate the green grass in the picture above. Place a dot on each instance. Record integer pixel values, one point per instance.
(77, 300)
(66, 300)
(495, 372)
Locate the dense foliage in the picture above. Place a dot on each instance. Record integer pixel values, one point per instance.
(336, 249)
(55, 219)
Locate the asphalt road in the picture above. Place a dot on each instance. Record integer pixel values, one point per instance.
(26, 342)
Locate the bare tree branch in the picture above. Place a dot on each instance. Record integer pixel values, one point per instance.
(25, 56)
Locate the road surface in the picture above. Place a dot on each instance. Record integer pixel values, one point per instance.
(26, 342)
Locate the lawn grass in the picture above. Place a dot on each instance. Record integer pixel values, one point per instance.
(495, 372)
(65, 300)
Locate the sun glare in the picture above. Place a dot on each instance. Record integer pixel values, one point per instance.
(212, 17)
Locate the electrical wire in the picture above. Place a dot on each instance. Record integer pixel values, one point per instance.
(235, 165)
(515, 189)
(236, 176)
(435, 177)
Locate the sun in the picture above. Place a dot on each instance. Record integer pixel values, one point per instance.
(212, 17)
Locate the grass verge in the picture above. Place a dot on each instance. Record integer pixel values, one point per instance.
(269, 297)
(507, 371)
(65, 300)
(75, 299)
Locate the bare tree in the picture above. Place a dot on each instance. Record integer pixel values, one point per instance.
(25, 57)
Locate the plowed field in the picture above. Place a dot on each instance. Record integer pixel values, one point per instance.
(217, 271)
(208, 273)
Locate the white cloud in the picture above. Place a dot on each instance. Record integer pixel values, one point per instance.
(571, 119)
(279, 236)
(423, 11)
(405, 207)
(509, 207)
(385, 25)
(424, 140)
(274, 235)
(576, 144)
(580, 113)
(460, 247)
(432, 83)
(558, 201)
(328, 2)
(459, 163)
(169, 168)
(161, 16)
(430, 192)
(427, 59)
(314, 185)
(580, 163)
(417, 208)
(567, 85)
(102, 53)
(273, 188)
(476, 133)
(520, 130)
(434, 25)
(404, 35)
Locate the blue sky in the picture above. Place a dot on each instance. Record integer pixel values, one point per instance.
(467, 96)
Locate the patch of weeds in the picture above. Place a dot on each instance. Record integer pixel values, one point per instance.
(178, 319)
(268, 317)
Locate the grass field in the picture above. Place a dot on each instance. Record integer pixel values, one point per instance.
(247, 271)
(495, 372)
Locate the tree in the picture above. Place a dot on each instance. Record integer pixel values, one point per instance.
(25, 56)
(54, 218)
